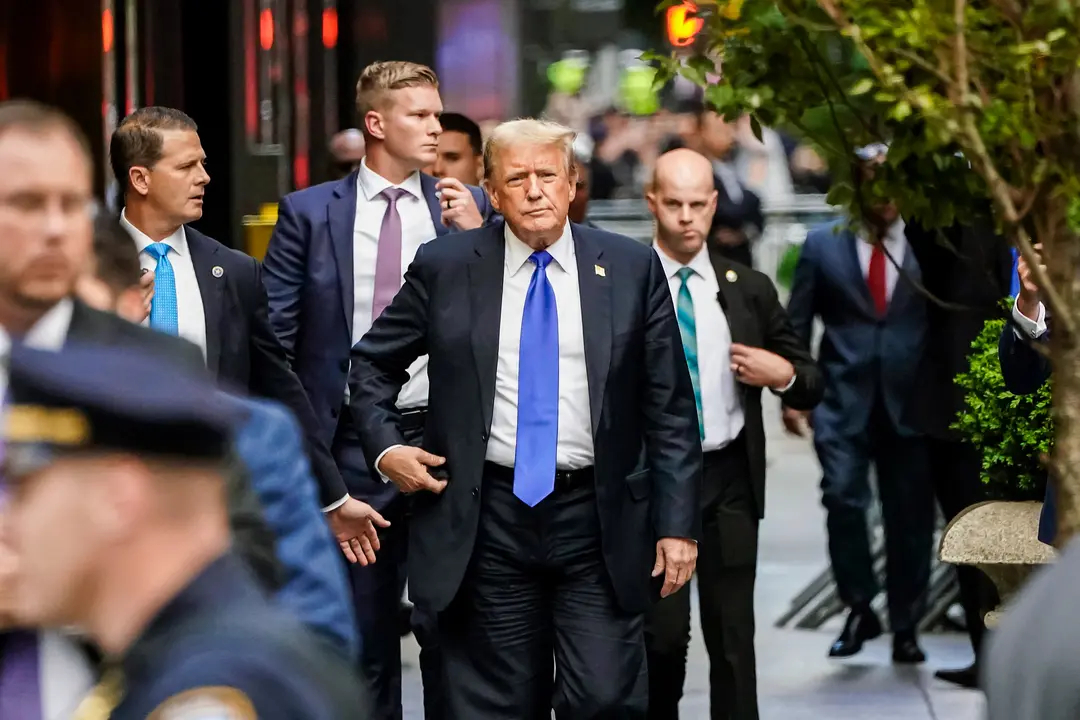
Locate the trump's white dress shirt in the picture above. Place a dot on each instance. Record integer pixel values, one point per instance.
(575, 444)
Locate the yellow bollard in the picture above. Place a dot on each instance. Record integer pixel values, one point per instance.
(257, 230)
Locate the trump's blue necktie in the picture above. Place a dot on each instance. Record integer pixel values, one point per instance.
(538, 389)
(164, 315)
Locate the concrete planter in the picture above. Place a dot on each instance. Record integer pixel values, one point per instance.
(1001, 539)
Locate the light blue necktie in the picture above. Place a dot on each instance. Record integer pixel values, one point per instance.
(684, 311)
(164, 315)
(538, 389)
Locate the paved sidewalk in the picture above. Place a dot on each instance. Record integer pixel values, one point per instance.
(796, 680)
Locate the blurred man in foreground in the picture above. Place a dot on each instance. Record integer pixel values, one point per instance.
(270, 446)
(737, 341)
(134, 471)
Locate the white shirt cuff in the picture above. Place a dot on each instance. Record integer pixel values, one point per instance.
(378, 460)
(787, 387)
(1033, 329)
(336, 504)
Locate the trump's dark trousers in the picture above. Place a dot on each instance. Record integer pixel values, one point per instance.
(535, 625)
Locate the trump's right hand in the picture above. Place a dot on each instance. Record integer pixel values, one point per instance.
(407, 467)
(1027, 302)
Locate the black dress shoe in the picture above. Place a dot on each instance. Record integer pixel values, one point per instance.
(862, 625)
(965, 677)
(906, 650)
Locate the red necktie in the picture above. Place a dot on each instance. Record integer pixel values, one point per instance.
(876, 279)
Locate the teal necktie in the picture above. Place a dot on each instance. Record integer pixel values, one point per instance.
(684, 311)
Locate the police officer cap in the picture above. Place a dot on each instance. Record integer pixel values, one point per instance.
(110, 399)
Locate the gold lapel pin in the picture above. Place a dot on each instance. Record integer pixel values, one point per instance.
(217, 271)
(731, 276)
(599, 270)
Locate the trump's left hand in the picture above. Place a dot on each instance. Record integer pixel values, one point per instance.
(760, 368)
(458, 205)
(676, 558)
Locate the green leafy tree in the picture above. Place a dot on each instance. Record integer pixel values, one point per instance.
(978, 100)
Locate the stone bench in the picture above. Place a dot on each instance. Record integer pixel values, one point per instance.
(1001, 539)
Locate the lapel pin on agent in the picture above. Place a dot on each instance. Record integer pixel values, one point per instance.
(731, 276)
(217, 271)
(599, 270)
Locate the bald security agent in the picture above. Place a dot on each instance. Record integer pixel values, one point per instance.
(555, 364)
(134, 471)
(738, 341)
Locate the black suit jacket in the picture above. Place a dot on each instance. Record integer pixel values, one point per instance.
(756, 318)
(252, 536)
(243, 352)
(970, 267)
(640, 398)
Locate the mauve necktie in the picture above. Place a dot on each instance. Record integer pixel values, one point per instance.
(20, 685)
(538, 389)
(388, 258)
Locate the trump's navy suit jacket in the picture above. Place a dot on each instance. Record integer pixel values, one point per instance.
(315, 589)
(640, 399)
(861, 355)
(310, 283)
(1024, 370)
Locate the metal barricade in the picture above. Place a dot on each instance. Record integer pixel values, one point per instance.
(786, 225)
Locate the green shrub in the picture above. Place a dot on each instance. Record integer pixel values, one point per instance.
(1012, 432)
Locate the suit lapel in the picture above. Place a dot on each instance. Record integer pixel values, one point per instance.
(341, 217)
(909, 273)
(427, 183)
(211, 288)
(733, 303)
(850, 256)
(485, 300)
(731, 298)
(595, 289)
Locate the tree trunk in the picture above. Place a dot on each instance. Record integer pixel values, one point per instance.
(1061, 252)
(1064, 475)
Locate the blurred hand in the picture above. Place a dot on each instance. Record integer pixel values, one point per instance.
(797, 422)
(1027, 302)
(407, 467)
(462, 213)
(760, 368)
(355, 526)
(146, 285)
(675, 559)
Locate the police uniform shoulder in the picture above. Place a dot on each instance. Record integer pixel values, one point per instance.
(119, 399)
(210, 702)
(237, 676)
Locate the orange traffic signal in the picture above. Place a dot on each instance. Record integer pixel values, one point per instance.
(683, 25)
